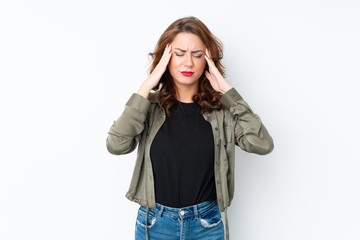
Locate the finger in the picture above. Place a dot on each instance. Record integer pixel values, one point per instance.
(169, 48)
(207, 53)
(210, 62)
(167, 53)
(207, 58)
(213, 69)
(211, 80)
(170, 51)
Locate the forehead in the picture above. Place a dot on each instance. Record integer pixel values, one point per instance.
(188, 41)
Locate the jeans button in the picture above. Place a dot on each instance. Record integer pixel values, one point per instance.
(182, 212)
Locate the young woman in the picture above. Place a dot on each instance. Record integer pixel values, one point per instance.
(186, 130)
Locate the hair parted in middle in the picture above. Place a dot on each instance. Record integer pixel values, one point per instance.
(206, 96)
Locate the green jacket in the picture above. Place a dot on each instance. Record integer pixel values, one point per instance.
(235, 124)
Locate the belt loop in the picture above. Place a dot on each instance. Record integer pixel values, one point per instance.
(196, 212)
(160, 211)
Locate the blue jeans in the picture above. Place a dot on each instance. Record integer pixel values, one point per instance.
(198, 222)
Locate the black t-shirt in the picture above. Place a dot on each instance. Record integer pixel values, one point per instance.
(182, 156)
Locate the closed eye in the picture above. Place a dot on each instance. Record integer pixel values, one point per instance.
(180, 55)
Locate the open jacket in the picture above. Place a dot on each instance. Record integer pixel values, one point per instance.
(235, 124)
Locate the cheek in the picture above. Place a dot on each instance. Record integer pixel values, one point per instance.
(173, 63)
(201, 64)
(171, 66)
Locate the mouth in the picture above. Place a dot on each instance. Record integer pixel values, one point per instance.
(186, 73)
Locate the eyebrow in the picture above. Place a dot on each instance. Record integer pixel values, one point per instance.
(192, 51)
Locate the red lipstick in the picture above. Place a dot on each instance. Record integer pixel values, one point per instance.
(186, 73)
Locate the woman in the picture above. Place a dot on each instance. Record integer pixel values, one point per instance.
(186, 132)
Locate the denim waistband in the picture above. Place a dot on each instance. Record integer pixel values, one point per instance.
(184, 212)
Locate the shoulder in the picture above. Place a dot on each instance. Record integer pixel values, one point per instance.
(221, 112)
(223, 116)
(153, 112)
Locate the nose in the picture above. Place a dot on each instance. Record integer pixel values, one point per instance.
(188, 60)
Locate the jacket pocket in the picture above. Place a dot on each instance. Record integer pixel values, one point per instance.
(228, 134)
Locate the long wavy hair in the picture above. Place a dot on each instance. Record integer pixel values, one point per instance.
(206, 97)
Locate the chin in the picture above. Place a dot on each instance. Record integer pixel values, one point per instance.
(187, 80)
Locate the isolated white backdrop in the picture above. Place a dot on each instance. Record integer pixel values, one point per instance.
(68, 67)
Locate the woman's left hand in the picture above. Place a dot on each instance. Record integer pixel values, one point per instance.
(217, 81)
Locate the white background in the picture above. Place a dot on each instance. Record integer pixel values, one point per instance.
(68, 67)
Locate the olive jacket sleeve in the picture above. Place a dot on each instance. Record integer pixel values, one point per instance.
(125, 132)
(250, 133)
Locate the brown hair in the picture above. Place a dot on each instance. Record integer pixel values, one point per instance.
(206, 96)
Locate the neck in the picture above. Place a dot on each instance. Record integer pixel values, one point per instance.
(186, 93)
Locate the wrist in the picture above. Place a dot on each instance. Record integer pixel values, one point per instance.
(144, 90)
(226, 88)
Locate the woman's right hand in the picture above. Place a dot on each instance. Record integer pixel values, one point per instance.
(156, 74)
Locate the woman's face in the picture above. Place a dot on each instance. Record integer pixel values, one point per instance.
(187, 62)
